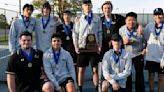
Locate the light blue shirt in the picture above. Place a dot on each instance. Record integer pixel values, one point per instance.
(120, 71)
(43, 36)
(82, 29)
(58, 72)
(15, 30)
(155, 48)
(135, 47)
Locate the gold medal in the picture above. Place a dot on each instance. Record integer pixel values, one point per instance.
(108, 31)
(156, 38)
(57, 67)
(29, 65)
(67, 38)
(44, 31)
(115, 66)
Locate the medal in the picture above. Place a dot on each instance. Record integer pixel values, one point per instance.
(115, 66)
(156, 38)
(108, 31)
(30, 65)
(57, 67)
(67, 38)
(44, 31)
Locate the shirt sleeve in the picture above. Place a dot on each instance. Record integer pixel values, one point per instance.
(122, 33)
(162, 61)
(71, 68)
(50, 71)
(11, 66)
(75, 33)
(100, 30)
(12, 37)
(147, 32)
(106, 66)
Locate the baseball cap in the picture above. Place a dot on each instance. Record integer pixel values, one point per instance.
(86, 2)
(158, 11)
(116, 37)
(67, 11)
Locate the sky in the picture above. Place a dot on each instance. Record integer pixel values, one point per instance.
(120, 6)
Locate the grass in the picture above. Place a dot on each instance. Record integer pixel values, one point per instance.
(3, 40)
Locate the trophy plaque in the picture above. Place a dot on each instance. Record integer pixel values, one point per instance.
(91, 45)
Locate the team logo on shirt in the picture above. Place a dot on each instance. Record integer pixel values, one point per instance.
(36, 56)
(22, 59)
(31, 24)
(63, 30)
(51, 26)
(113, 22)
(94, 22)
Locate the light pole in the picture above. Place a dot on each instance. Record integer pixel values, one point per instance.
(20, 7)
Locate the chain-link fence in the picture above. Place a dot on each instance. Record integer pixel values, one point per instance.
(10, 14)
(6, 17)
(143, 18)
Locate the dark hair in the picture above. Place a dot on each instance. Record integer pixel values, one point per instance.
(56, 35)
(46, 5)
(28, 6)
(25, 33)
(131, 14)
(107, 2)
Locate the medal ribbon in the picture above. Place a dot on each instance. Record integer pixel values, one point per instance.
(28, 57)
(117, 57)
(67, 29)
(56, 56)
(130, 34)
(89, 19)
(158, 33)
(45, 24)
(26, 24)
(108, 24)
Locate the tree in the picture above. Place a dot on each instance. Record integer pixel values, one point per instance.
(3, 21)
(58, 6)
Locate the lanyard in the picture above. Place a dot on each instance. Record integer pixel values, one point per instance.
(117, 57)
(26, 24)
(45, 24)
(67, 28)
(56, 56)
(28, 57)
(130, 34)
(89, 19)
(160, 29)
(108, 24)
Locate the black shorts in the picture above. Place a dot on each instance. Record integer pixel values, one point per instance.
(119, 90)
(74, 57)
(42, 82)
(67, 80)
(152, 67)
(83, 59)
